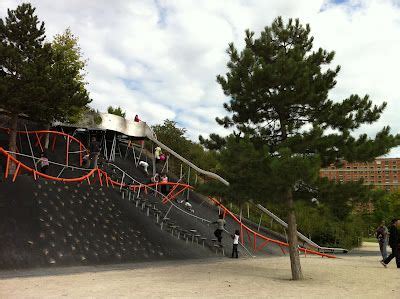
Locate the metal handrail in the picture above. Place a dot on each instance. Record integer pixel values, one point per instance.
(179, 157)
(300, 235)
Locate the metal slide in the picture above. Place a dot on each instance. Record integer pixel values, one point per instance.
(141, 130)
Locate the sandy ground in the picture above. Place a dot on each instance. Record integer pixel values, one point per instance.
(358, 275)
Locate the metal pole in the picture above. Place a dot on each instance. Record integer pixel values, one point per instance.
(188, 182)
(154, 159)
(122, 181)
(61, 172)
(248, 211)
(113, 148)
(134, 155)
(127, 148)
(165, 216)
(119, 150)
(30, 146)
(165, 164)
(259, 223)
(181, 172)
(67, 150)
(140, 154)
(105, 147)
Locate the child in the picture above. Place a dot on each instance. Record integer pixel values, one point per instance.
(235, 238)
(164, 186)
(157, 154)
(188, 206)
(145, 166)
(43, 163)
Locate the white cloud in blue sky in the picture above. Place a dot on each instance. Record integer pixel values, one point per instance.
(159, 59)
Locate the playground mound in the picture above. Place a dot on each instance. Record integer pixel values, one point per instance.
(48, 223)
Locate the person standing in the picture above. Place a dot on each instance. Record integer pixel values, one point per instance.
(157, 154)
(382, 235)
(220, 228)
(145, 166)
(94, 151)
(393, 243)
(43, 163)
(164, 184)
(235, 238)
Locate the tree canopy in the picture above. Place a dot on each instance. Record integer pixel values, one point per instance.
(116, 111)
(23, 61)
(67, 96)
(174, 137)
(278, 88)
(40, 80)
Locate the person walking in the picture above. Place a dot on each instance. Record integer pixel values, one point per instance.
(382, 234)
(235, 238)
(220, 228)
(393, 243)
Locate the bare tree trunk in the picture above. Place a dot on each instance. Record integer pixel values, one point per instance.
(295, 265)
(47, 140)
(12, 142)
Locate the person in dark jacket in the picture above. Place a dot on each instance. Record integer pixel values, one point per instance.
(94, 152)
(394, 242)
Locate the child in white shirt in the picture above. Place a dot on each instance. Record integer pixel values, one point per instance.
(235, 238)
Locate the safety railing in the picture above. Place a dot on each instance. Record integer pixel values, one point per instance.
(300, 235)
(100, 174)
(256, 235)
(39, 135)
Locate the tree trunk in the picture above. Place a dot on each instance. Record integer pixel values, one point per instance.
(47, 140)
(292, 236)
(12, 143)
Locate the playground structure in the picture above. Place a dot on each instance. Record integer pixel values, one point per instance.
(133, 190)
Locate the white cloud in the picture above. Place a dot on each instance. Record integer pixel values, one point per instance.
(160, 58)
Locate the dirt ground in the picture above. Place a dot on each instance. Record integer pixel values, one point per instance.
(353, 276)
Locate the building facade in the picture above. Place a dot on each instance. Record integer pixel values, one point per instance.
(382, 173)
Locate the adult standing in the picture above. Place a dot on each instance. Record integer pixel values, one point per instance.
(94, 151)
(382, 234)
(393, 243)
(220, 228)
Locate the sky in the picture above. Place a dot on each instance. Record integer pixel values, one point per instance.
(160, 58)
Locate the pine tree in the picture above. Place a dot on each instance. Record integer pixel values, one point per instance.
(22, 56)
(278, 88)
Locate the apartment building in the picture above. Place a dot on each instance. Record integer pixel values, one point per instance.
(382, 173)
